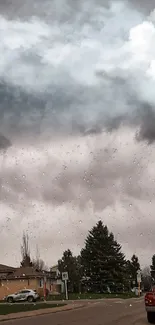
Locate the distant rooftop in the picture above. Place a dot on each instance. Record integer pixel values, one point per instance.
(27, 272)
(6, 268)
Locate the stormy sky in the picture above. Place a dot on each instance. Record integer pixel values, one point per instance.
(77, 125)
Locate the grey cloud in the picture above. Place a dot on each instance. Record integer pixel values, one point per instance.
(31, 7)
(60, 10)
(142, 238)
(107, 176)
(4, 142)
(142, 5)
(99, 181)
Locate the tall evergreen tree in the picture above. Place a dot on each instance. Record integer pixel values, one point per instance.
(103, 261)
(134, 268)
(146, 278)
(128, 276)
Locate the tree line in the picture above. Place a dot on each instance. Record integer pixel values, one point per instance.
(101, 265)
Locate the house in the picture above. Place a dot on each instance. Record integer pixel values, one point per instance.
(55, 271)
(27, 278)
(58, 285)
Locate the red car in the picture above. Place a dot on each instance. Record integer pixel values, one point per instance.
(150, 306)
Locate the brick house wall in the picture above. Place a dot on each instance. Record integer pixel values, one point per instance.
(11, 286)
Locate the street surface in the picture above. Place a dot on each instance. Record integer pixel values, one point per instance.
(105, 312)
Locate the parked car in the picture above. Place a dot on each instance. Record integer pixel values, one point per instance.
(23, 295)
(150, 306)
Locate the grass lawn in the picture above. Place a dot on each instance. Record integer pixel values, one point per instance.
(76, 296)
(6, 309)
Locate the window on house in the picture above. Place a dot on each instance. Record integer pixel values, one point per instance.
(41, 283)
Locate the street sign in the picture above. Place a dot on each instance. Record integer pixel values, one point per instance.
(65, 276)
(139, 278)
(65, 279)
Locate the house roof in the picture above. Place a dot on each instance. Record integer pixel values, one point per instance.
(24, 272)
(6, 268)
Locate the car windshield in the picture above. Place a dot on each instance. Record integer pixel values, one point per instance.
(77, 159)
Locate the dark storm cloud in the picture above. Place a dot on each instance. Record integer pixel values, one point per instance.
(4, 142)
(147, 130)
(55, 113)
(47, 97)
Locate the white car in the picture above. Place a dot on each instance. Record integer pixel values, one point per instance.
(23, 295)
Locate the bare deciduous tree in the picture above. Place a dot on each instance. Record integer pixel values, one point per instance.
(38, 263)
(25, 251)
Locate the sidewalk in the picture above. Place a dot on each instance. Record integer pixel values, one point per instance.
(40, 312)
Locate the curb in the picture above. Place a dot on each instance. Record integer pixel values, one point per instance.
(40, 312)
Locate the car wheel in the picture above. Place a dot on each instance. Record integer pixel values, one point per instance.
(151, 317)
(30, 299)
(10, 300)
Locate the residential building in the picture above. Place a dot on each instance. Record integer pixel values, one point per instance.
(15, 279)
(59, 284)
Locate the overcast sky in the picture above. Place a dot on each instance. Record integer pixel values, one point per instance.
(77, 125)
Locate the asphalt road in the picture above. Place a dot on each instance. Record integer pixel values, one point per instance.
(105, 312)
